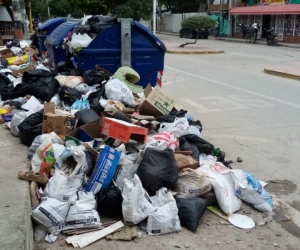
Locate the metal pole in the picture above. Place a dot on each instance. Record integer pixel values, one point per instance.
(154, 17)
(30, 17)
(48, 12)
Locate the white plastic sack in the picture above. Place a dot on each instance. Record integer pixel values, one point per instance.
(127, 169)
(251, 191)
(17, 51)
(191, 184)
(33, 104)
(83, 88)
(117, 90)
(63, 187)
(223, 185)
(82, 213)
(47, 153)
(51, 214)
(136, 205)
(79, 41)
(165, 219)
(179, 127)
(169, 138)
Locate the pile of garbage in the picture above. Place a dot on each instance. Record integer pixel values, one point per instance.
(101, 148)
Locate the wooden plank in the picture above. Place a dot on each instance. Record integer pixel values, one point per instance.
(83, 242)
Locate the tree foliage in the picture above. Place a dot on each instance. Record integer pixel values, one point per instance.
(198, 22)
(182, 6)
(136, 9)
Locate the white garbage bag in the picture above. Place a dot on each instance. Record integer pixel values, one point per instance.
(51, 214)
(136, 205)
(165, 219)
(79, 41)
(82, 213)
(117, 90)
(223, 185)
(16, 120)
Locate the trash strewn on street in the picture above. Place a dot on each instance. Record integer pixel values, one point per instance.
(105, 141)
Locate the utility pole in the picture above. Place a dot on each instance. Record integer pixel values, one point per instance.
(154, 16)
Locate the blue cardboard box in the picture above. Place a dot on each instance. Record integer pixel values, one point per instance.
(104, 171)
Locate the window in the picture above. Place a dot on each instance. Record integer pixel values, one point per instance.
(297, 25)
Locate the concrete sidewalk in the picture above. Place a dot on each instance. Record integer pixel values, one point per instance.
(287, 70)
(237, 40)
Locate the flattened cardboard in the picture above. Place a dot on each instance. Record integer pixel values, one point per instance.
(6, 53)
(60, 123)
(124, 131)
(156, 103)
(21, 71)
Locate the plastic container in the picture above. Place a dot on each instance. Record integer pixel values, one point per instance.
(46, 29)
(147, 53)
(7, 117)
(54, 43)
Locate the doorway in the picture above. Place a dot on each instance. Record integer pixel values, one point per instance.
(266, 25)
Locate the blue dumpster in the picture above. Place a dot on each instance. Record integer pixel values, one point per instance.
(147, 53)
(54, 43)
(46, 29)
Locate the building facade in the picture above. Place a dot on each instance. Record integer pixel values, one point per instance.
(282, 15)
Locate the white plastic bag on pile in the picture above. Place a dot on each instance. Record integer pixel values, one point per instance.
(17, 51)
(116, 90)
(127, 169)
(48, 153)
(165, 219)
(179, 127)
(136, 205)
(83, 213)
(51, 214)
(191, 184)
(223, 185)
(33, 104)
(63, 187)
(251, 191)
(80, 105)
(83, 88)
(79, 41)
(169, 138)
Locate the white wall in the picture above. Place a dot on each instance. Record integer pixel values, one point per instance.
(173, 21)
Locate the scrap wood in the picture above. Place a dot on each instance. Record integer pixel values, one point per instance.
(83, 240)
(128, 233)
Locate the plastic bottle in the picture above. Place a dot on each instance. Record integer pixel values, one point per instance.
(40, 233)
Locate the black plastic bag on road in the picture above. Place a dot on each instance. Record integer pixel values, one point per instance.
(195, 144)
(39, 83)
(170, 118)
(99, 23)
(31, 127)
(158, 169)
(94, 76)
(6, 88)
(69, 95)
(109, 201)
(190, 211)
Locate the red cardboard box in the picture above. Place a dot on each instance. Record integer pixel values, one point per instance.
(123, 131)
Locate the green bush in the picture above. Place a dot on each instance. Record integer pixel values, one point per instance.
(198, 22)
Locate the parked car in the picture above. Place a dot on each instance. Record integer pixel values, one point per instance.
(192, 33)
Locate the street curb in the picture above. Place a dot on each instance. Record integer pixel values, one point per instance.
(281, 74)
(29, 244)
(195, 52)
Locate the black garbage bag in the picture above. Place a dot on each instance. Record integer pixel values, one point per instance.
(109, 201)
(195, 144)
(99, 23)
(82, 29)
(69, 95)
(3, 62)
(13, 43)
(158, 169)
(6, 88)
(34, 40)
(94, 99)
(121, 116)
(94, 76)
(39, 83)
(190, 211)
(85, 116)
(170, 118)
(31, 127)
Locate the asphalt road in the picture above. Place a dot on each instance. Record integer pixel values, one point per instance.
(244, 111)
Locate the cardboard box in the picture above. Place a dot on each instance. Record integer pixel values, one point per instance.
(57, 121)
(6, 53)
(104, 171)
(123, 131)
(156, 103)
(21, 71)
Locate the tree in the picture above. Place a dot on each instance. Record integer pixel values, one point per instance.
(198, 22)
(39, 7)
(136, 9)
